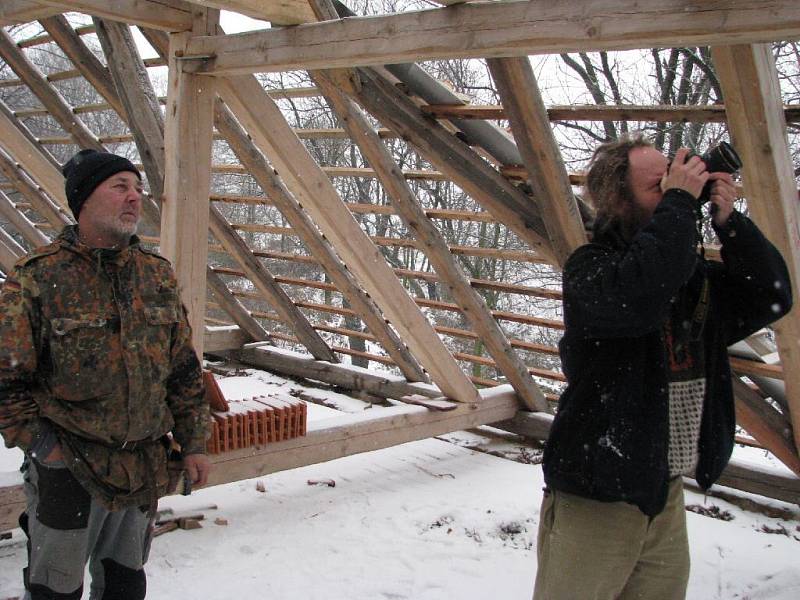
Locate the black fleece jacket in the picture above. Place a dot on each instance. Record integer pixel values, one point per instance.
(610, 436)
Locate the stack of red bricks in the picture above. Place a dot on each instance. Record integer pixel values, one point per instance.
(257, 421)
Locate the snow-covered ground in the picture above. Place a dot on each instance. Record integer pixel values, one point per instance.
(432, 519)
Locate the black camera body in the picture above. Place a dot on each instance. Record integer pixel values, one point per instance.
(722, 158)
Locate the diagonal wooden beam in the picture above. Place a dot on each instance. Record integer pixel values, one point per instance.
(255, 163)
(22, 11)
(39, 163)
(765, 424)
(758, 130)
(547, 174)
(9, 251)
(27, 187)
(55, 104)
(436, 249)
(269, 288)
(454, 158)
(264, 121)
(497, 29)
(166, 15)
(20, 222)
(84, 60)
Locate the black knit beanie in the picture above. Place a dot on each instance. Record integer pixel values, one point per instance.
(88, 169)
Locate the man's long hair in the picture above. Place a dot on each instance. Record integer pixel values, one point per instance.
(608, 187)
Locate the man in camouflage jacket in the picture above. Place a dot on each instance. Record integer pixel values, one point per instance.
(96, 367)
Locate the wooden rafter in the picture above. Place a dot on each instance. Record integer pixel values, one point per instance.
(265, 123)
(758, 130)
(54, 102)
(84, 60)
(167, 15)
(269, 288)
(451, 274)
(471, 31)
(249, 155)
(454, 158)
(547, 174)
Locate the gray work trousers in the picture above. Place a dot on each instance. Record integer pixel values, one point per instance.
(67, 529)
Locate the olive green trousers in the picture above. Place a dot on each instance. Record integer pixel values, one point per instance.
(590, 550)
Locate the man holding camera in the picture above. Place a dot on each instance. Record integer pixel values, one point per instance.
(96, 367)
(649, 396)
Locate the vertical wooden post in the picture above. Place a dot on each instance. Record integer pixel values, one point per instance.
(758, 129)
(187, 142)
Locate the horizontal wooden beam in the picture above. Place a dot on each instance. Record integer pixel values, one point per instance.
(281, 12)
(712, 113)
(514, 28)
(166, 15)
(22, 11)
(738, 475)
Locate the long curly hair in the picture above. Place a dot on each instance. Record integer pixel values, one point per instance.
(608, 187)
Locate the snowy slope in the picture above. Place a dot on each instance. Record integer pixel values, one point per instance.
(425, 520)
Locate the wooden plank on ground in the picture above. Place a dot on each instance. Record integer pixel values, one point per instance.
(223, 339)
(346, 376)
(166, 15)
(758, 130)
(265, 123)
(547, 174)
(515, 28)
(449, 271)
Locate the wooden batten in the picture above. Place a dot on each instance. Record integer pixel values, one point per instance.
(265, 123)
(495, 30)
(54, 102)
(547, 174)
(32, 155)
(25, 186)
(231, 305)
(20, 222)
(451, 275)
(269, 288)
(184, 211)
(172, 16)
(758, 130)
(249, 155)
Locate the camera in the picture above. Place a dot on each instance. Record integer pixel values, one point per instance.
(722, 158)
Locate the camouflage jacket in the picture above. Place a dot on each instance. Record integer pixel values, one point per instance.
(96, 348)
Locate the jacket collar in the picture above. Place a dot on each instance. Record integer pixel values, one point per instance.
(69, 239)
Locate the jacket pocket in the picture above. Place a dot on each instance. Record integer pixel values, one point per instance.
(80, 350)
(161, 321)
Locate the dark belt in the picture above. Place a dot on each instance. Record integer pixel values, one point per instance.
(131, 445)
